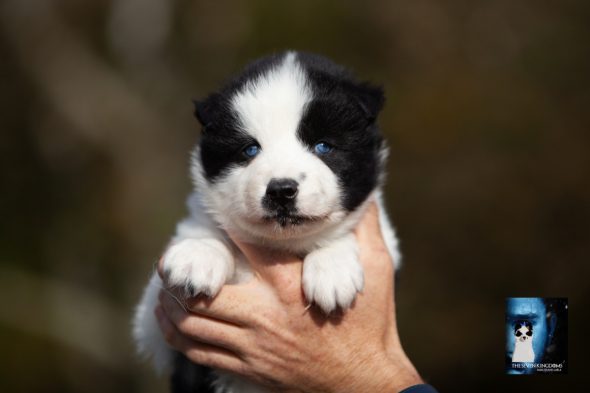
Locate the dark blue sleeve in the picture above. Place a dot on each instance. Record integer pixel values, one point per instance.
(422, 388)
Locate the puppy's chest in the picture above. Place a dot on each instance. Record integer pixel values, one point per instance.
(524, 345)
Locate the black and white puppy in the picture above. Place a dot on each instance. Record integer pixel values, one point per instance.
(523, 342)
(289, 157)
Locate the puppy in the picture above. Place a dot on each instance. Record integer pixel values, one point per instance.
(523, 343)
(289, 157)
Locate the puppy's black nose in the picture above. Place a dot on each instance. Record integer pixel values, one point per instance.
(282, 190)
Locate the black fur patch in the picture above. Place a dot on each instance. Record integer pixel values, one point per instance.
(189, 377)
(520, 324)
(222, 142)
(342, 114)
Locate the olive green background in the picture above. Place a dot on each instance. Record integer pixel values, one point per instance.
(488, 185)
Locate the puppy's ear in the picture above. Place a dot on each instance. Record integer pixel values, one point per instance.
(209, 110)
(202, 110)
(371, 99)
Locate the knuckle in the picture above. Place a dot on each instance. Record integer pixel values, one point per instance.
(197, 356)
(244, 369)
(188, 325)
(263, 320)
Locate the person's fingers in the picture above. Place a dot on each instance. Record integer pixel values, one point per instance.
(373, 251)
(377, 263)
(160, 267)
(231, 304)
(202, 328)
(281, 270)
(197, 352)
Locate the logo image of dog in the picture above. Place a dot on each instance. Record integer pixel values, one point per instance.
(289, 157)
(523, 342)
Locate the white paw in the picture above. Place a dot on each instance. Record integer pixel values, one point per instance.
(331, 277)
(198, 266)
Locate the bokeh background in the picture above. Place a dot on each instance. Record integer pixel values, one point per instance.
(487, 117)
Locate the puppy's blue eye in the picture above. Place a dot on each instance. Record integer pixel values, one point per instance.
(322, 148)
(251, 150)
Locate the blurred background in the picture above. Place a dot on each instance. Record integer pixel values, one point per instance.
(487, 118)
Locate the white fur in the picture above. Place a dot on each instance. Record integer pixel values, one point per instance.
(146, 330)
(523, 347)
(200, 254)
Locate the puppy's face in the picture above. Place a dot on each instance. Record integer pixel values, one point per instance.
(523, 331)
(288, 148)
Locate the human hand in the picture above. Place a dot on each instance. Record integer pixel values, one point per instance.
(264, 330)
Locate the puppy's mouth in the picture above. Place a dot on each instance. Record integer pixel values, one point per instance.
(285, 218)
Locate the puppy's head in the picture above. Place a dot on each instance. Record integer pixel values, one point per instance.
(523, 331)
(289, 147)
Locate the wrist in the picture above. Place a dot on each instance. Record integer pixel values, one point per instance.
(399, 373)
(381, 373)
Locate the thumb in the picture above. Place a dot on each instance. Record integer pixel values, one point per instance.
(278, 268)
(368, 230)
(373, 250)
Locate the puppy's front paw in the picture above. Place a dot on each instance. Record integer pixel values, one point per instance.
(198, 266)
(332, 277)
